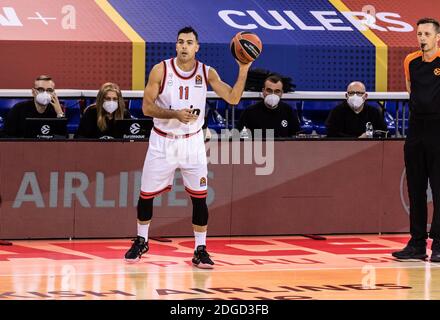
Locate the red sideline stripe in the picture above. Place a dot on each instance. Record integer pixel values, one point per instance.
(149, 195)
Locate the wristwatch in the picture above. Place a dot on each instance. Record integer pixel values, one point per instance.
(60, 115)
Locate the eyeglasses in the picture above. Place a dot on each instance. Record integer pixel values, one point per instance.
(358, 93)
(270, 91)
(48, 90)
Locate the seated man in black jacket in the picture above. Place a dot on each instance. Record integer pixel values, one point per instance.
(349, 118)
(45, 104)
(271, 113)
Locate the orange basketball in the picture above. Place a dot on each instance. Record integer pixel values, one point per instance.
(246, 46)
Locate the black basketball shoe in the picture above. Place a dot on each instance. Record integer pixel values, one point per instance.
(201, 258)
(138, 248)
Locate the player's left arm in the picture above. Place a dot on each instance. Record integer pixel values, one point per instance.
(223, 90)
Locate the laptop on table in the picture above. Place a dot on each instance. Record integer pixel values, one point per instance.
(133, 128)
(46, 128)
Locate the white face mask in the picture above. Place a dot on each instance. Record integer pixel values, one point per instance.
(272, 100)
(355, 102)
(43, 98)
(110, 106)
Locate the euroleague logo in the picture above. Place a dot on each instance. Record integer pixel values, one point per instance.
(405, 199)
(437, 72)
(135, 128)
(45, 129)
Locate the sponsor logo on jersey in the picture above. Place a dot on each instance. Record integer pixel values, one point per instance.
(199, 80)
(203, 182)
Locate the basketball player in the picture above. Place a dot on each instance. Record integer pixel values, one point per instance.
(175, 96)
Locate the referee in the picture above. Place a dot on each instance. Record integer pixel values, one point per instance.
(422, 145)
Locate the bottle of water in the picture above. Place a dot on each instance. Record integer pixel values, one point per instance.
(244, 134)
(219, 118)
(369, 130)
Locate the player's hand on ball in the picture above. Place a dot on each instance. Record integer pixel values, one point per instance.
(186, 116)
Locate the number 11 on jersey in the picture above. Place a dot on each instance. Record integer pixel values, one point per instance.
(183, 90)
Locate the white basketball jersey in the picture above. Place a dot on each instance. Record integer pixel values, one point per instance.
(181, 90)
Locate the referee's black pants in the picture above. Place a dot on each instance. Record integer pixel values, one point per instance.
(422, 162)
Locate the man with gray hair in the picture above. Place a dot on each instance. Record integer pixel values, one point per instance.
(349, 119)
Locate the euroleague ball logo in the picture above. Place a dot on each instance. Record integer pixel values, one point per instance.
(45, 129)
(135, 128)
(405, 199)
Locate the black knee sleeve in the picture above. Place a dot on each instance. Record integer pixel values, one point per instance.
(145, 209)
(200, 211)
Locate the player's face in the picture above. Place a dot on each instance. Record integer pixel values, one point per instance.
(186, 47)
(426, 34)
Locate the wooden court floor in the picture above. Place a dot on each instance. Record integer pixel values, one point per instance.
(348, 267)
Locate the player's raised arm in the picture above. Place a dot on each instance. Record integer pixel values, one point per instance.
(223, 90)
(151, 92)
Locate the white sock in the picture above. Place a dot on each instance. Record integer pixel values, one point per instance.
(200, 239)
(143, 230)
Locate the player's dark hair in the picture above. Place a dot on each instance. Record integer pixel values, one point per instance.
(188, 29)
(274, 78)
(430, 20)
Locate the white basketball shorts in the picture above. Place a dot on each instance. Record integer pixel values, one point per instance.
(165, 154)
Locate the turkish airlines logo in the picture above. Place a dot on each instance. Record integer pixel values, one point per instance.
(135, 128)
(45, 129)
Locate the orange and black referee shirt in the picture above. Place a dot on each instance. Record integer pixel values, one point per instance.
(424, 76)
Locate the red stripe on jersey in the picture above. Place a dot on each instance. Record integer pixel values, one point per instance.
(164, 77)
(206, 77)
(179, 75)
